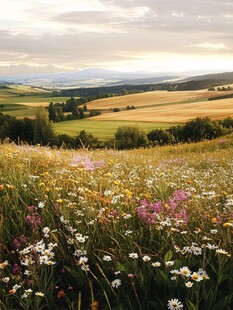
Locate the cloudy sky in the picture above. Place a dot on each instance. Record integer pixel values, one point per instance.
(127, 35)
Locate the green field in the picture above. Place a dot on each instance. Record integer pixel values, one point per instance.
(21, 101)
(103, 130)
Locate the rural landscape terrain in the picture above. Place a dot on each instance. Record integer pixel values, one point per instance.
(108, 229)
(151, 109)
(116, 155)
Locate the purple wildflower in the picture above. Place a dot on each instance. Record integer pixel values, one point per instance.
(149, 213)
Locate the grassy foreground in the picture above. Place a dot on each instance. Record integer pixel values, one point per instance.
(143, 229)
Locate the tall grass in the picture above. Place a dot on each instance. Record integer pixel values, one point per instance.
(142, 229)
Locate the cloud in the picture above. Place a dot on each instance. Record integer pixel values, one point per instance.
(210, 46)
(73, 34)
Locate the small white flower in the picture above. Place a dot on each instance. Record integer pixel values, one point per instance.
(221, 251)
(175, 271)
(127, 216)
(174, 304)
(41, 205)
(40, 294)
(185, 271)
(128, 232)
(213, 231)
(81, 239)
(29, 291)
(16, 287)
(27, 273)
(146, 258)
(50, 263)
(116, 283)
(189, 284)
(133, 255)
(85, 268)
(156, 264)
(83, 260)
(46, 230)
(5, 279)
(169, 263)
(107, 258)
(43, 259)
(196, 277)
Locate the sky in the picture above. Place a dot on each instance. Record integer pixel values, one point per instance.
(161, 36)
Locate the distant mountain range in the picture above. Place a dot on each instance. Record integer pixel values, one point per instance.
(96, 77)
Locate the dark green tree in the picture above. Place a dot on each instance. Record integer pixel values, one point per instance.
(43, 130)
(160, 137)
(130, 137)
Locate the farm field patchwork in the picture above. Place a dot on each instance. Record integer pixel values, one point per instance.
(21, 101)
(158, 109)
(141, 229)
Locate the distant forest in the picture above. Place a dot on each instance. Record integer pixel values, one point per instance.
(108, 91)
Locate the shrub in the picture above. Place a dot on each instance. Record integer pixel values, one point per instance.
(130, 137)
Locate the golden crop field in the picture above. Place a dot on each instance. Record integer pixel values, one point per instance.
(175, 112)
(152, 98)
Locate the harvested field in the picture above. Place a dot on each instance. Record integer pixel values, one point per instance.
(175, 113)
(152, 99)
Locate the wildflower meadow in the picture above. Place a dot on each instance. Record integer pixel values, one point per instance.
(105, 229)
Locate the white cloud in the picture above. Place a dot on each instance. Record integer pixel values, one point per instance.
(210, 46)
(73, 34)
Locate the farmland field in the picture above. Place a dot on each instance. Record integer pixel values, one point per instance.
(175, 112)
(103, 130)
(21, 101)
(138, 229)
(157, 109)
(153, 99)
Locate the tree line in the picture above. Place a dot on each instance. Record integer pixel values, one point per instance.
(195, 130)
